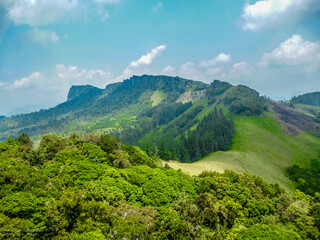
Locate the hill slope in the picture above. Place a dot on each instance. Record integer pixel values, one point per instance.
(261, 147)
(88, 105)
(181, 119)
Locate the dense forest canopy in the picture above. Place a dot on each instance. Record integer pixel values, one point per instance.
(95, 187)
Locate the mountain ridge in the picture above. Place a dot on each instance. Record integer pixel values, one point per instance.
(175, 118)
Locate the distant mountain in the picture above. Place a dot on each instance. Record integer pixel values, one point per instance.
(312, 99)
(2, 117)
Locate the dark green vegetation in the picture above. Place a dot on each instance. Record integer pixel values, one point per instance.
(308, 179)
(95, 187)
(312, 99)
(213, 133)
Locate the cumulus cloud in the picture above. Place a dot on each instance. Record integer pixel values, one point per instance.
(169, 71)
(35, 78)
(221, 58)
(189, 70)
(267, 12)
(3, 84)
(139, 66)
(157, 7)
(147, 59)
(293, 52)
(43, 36)
(38, 12)
(237, 70)
(62, 79)
(71, 75)
(240, 69)
(213, 71)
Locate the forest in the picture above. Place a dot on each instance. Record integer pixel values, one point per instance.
(95, 187)
(307, 179)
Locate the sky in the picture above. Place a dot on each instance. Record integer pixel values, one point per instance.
(46, 46)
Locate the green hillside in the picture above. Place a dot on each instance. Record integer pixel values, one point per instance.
(260, 147)
(184, 120)
(91, 109)
(312, 99)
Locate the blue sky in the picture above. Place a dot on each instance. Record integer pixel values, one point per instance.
(46, 46)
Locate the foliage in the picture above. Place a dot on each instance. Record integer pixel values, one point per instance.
(268, 232)
(113, 191)
(312, 99)
(308, 180)
(245, 102)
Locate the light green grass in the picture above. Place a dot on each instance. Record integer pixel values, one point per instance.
(260, 148)
(157, 97)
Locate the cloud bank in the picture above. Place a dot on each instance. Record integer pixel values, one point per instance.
(38, 12)
(267, 12)
(293, 52)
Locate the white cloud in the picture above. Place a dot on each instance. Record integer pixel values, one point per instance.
(293, 52)
(3, 84)
(240, 69)
(213, 71)
(35, 78)
(149, 57)
(38, 12)
(43, 36)
(157, 7)
(189, 70)
(267, 12)
(221, 58)
(63, 78)
(237, 71)
(169, 71)
(71, 75)
(138, 67)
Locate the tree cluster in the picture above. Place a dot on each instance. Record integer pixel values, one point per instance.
(213, 133)
(97, 188)
(307, 180)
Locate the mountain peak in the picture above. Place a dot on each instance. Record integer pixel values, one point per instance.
(83, 90)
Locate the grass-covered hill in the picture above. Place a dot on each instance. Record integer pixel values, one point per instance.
(227, 127)
(312, 99)
(95, 187)
(261, 147)
(177, 118)
(113, 108)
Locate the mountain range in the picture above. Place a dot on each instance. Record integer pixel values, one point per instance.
(228, 127)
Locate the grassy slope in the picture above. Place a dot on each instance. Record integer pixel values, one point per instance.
(157, 98)
(308, 109)
(261, 148)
